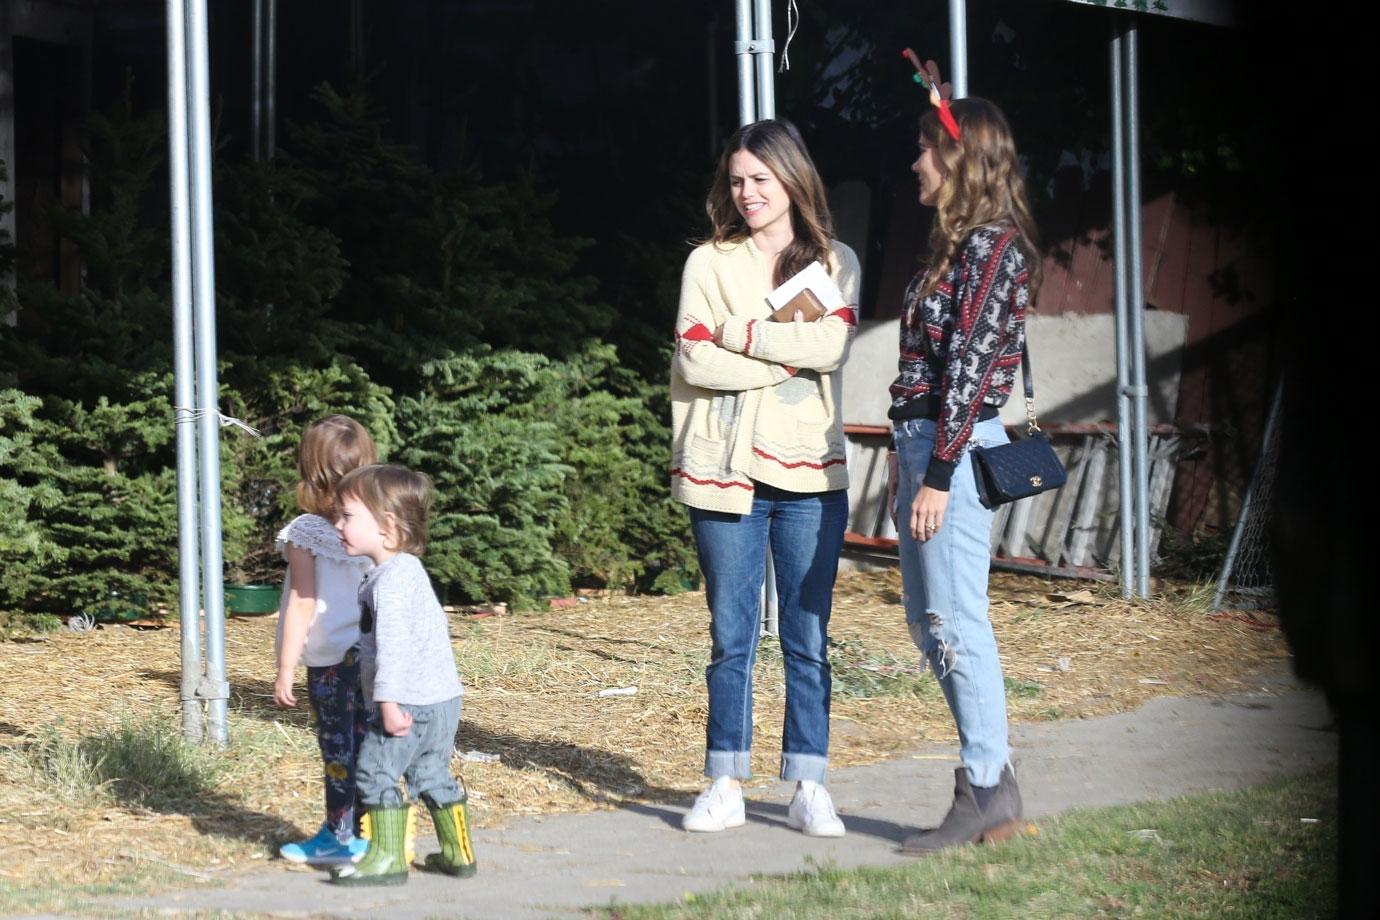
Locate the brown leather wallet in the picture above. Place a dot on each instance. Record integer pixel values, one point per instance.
(806, 302)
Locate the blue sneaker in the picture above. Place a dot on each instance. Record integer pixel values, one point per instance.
(324, 849)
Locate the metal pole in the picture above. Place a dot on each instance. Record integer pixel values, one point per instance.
(257, 116)
(771, 623)
(742, 47)
(1140, 393)
(765, 47)
(958, 46)
(1230, 561)
(215, 689)
(271, 91)
(712, 66)
(184, 387)
(8, 188)
(357, 40)
(1123, 395)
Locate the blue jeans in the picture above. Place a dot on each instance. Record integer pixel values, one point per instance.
(805, 532)
(945, 593)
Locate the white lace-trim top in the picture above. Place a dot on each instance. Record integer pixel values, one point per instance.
(335, 626)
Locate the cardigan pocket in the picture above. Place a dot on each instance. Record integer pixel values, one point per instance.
(707, 453)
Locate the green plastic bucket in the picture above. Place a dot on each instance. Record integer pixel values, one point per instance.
(117, 608)
(251, 600)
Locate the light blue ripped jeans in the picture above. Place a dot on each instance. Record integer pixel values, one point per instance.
(945, 591)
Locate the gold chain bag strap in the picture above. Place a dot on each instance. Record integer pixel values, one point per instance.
(1025, 467)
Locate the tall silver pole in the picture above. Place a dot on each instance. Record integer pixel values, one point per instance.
(216, 690)
(1123, 393)
(958, 46)
(770, 619)
(271, 90)
(1140, 393)
(712, 67)
(742, 47)
(256, 108)
(765, 46)
(184, 386)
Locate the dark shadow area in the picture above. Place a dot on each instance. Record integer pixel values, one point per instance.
(775, 814)
(597, 653)
(1237, 411)
(252, 698)
(665, 815)
(1212, 354)
(148, 767)
(599, 776)
(614, 640)
(771, 813)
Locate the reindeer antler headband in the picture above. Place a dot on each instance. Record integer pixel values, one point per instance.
(927, 75)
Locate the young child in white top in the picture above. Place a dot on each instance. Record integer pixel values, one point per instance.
(318, 625)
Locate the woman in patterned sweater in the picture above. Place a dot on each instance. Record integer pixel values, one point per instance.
(758, 455)
(961, 337)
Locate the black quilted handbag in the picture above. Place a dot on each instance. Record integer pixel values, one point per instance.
(1022, 468)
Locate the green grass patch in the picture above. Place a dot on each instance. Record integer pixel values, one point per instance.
(864, 673)
(19, 624)
(143, 762)
(1023, 689)
(82, 898)
(479, 662)
(1248, 854)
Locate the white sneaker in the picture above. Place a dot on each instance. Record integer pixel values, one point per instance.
(718, 807)
(812, 812)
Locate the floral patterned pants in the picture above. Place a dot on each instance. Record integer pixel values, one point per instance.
(337, 704)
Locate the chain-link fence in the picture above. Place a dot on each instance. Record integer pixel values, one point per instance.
(1247, 581)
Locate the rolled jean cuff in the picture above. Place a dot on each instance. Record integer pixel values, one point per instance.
(734, 764)
(810, 767)
(985, 774)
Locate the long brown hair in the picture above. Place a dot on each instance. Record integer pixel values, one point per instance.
(982, 185)
(777, 144)
(331, 447)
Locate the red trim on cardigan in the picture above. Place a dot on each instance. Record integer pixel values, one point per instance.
(712, 482)
(799, 463)
(848, 314)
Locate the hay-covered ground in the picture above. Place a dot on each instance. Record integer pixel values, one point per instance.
(102, 707)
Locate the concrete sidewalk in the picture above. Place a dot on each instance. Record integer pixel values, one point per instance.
(554, 866)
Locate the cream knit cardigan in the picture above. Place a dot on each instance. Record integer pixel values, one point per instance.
(764, 407)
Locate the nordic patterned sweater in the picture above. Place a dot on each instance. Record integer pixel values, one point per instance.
(961, 346)
(764, 407)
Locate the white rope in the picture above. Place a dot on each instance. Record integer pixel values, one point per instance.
(186, 415)
(792, 23)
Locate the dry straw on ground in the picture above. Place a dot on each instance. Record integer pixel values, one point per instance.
(533, 685)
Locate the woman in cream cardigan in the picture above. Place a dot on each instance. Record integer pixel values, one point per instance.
(758, 455)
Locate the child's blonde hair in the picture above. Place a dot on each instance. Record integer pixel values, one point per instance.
(331, 447)
(390, 489)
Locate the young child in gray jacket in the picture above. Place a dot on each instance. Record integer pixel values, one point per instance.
(409, 676)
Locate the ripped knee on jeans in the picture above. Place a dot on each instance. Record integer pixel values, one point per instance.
(932, 645)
